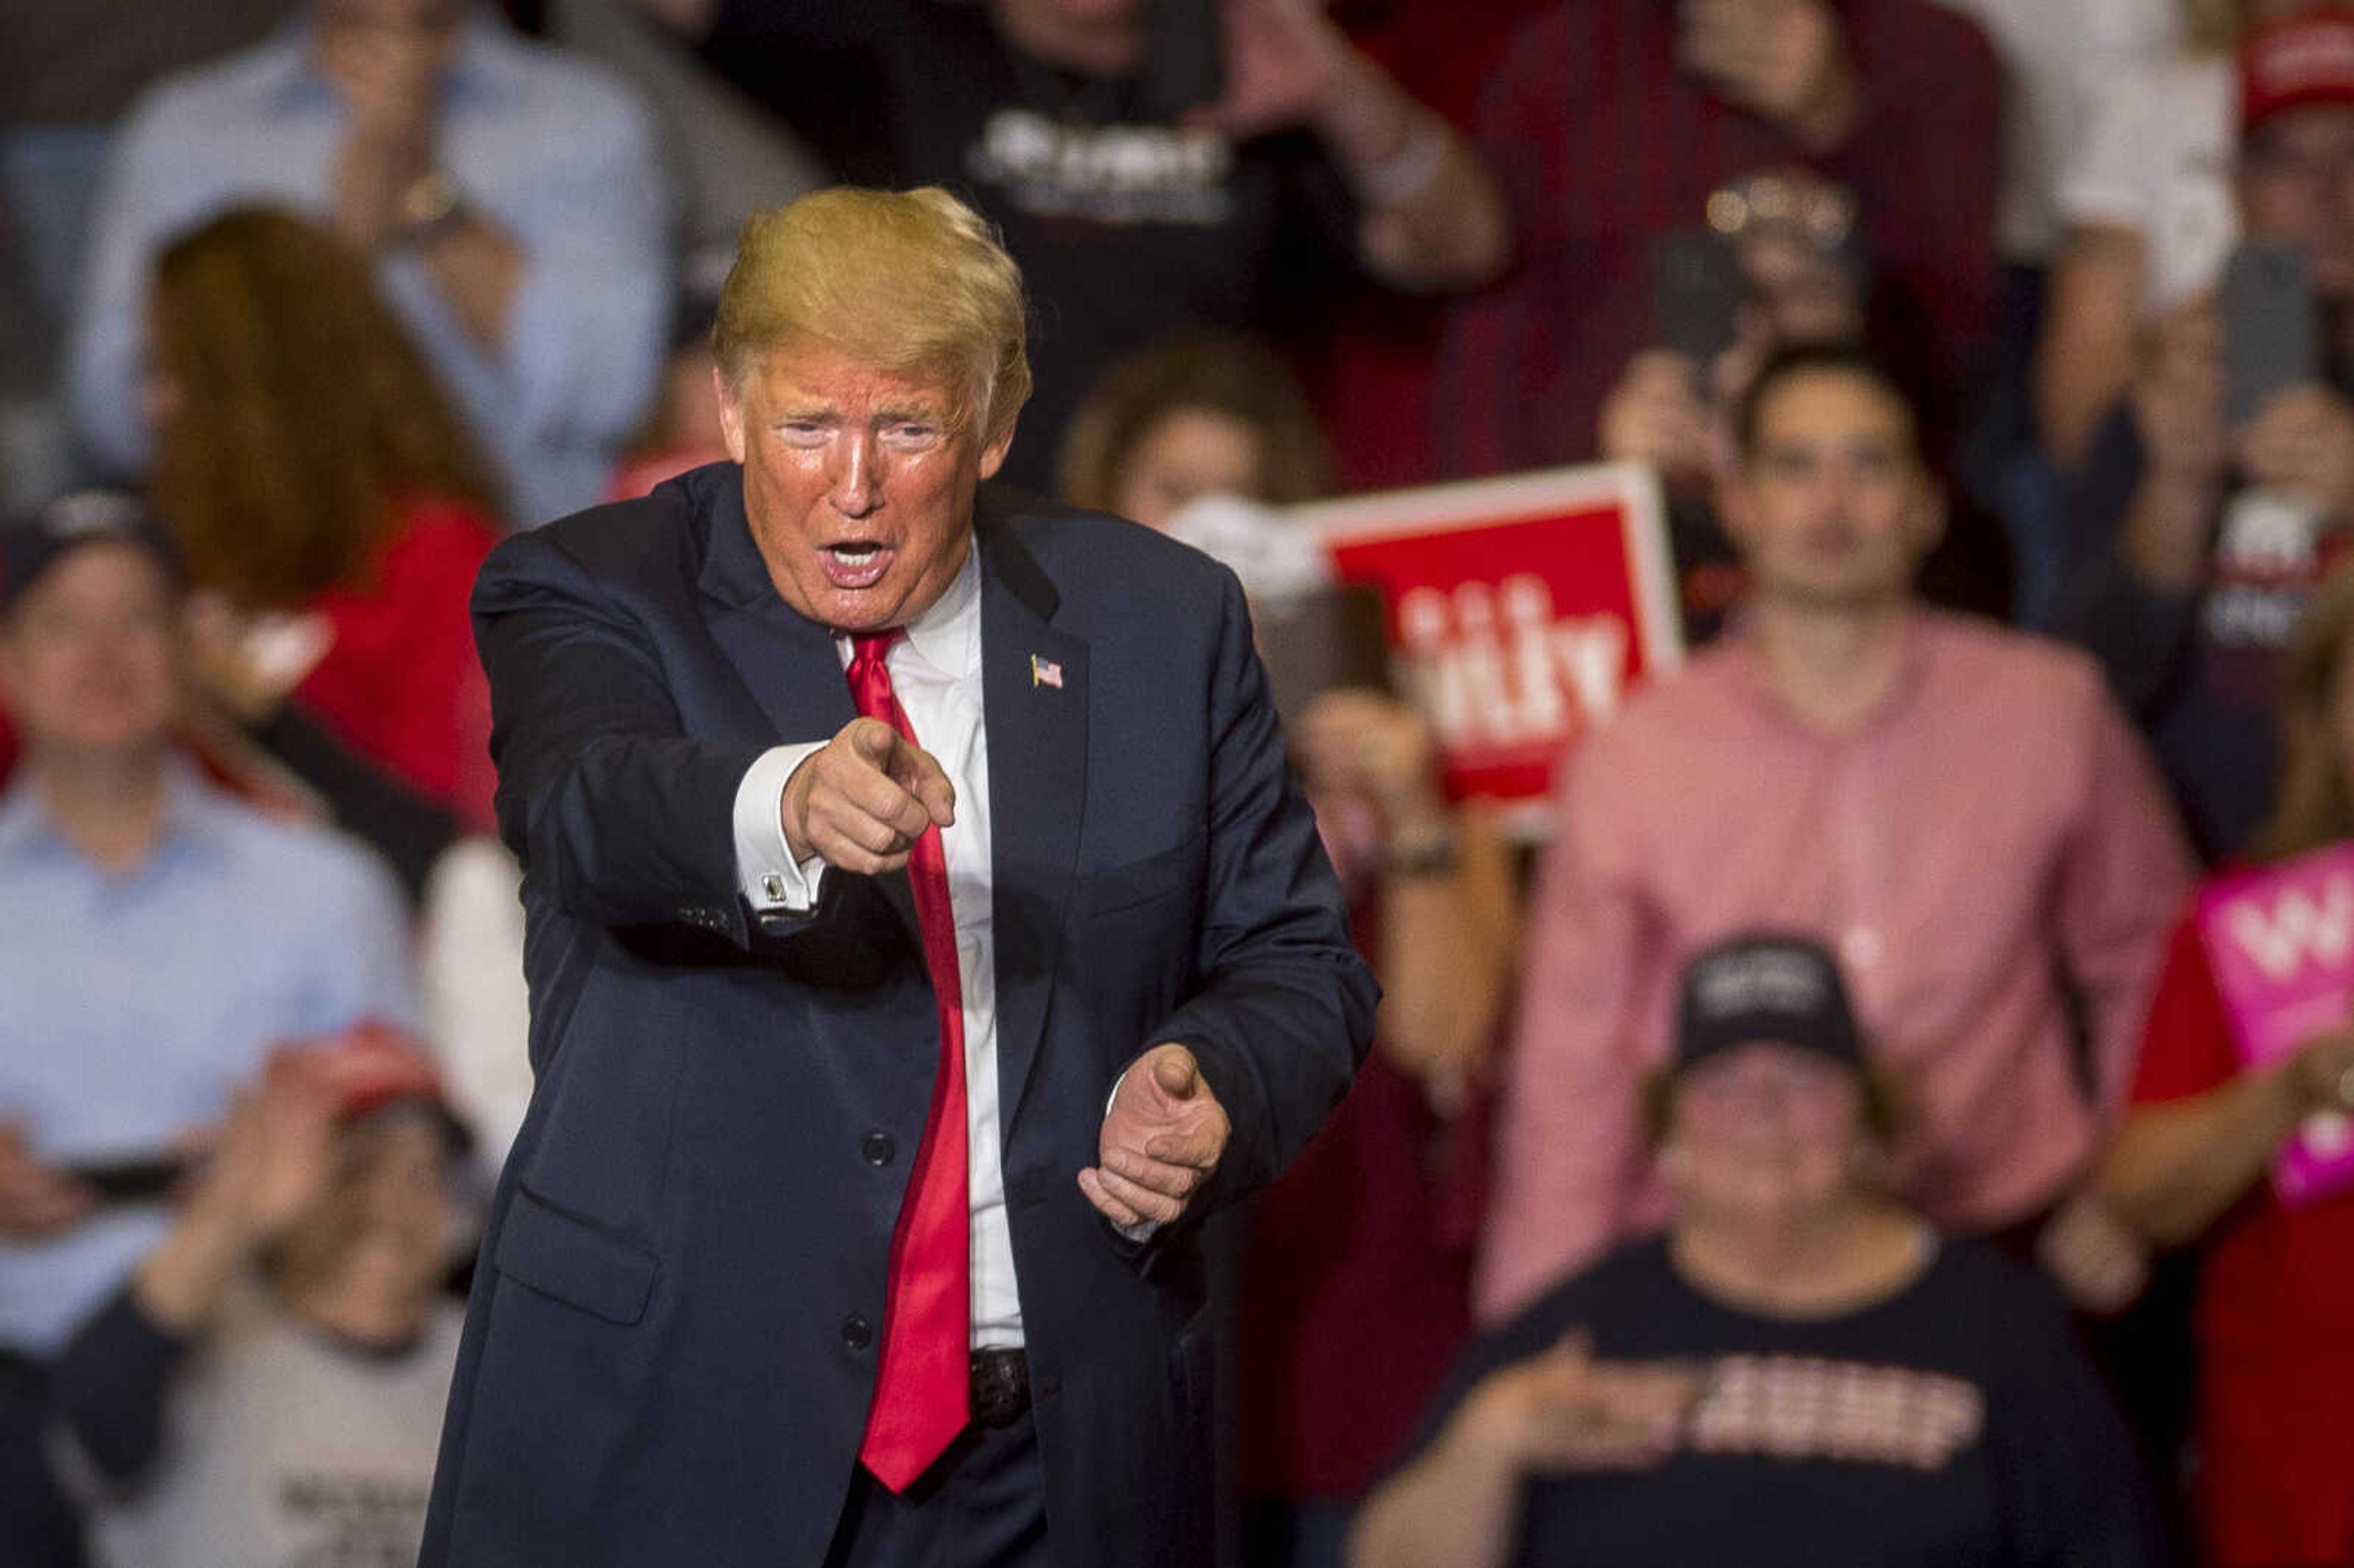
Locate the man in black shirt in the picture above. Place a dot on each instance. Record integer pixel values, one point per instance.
(1129, 212)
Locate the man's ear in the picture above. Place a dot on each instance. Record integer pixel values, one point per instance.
(731, 413)
(992, 456)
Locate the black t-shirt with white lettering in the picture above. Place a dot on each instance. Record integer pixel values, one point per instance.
(1951, 1423)
(1124, 223)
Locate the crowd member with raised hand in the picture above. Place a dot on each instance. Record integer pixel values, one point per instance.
(333, 522)
(1135, 203)
(1960, 811)
(270, 1380)
(2192, 1159)
(2146, 205)
(2054, 59)
(1794, 244)
(270, 1153)
(1805, 279)
(1610, 126)
(155, 936)
(2199, 532)
(508, 197)
(1800, 1371)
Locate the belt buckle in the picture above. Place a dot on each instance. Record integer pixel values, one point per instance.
(1000, 1389)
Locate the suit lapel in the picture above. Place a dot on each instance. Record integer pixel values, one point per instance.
(785, 660)
(1038, 788)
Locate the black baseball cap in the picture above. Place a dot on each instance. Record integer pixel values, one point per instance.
(82, 518)
(1765, 987)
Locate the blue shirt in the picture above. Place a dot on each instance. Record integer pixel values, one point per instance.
(131, 1002)
(556, 154)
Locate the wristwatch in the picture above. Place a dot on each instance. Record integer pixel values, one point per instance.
(431, 205)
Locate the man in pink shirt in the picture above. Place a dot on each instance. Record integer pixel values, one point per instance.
(1958, 811)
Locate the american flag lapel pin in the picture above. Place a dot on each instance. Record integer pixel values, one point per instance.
(1044, 673)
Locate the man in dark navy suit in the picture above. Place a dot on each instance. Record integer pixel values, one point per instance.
(926, 933)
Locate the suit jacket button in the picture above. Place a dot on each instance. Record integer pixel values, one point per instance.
(856, 1333)
(877, 1147)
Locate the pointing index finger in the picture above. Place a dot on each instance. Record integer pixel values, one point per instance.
(920, 774)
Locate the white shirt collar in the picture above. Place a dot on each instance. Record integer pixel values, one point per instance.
(947, 635)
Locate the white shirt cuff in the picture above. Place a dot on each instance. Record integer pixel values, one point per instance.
(771, 879)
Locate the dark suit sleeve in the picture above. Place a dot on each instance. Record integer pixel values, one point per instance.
(626, 820)
(1285, 1011)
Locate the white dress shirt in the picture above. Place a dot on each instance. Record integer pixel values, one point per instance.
(936, 674)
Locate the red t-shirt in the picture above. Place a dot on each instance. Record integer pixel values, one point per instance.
(400, 684)
(2275, 1321)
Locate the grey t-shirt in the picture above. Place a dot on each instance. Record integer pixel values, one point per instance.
(284, 1449)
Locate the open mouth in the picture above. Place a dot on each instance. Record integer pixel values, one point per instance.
(855, 563)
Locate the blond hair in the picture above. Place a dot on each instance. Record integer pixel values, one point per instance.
(2311, 804)
(913, 282)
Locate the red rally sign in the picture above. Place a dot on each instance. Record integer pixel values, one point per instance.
(1522, 611)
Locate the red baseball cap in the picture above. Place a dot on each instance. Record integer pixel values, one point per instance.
(371, 1065)
(2294, 63)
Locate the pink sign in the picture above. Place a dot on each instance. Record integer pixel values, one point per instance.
(2280, 940)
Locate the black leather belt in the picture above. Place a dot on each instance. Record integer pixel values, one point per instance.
(1001, 1387)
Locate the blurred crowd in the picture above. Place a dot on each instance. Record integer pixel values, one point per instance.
(1833, 1140)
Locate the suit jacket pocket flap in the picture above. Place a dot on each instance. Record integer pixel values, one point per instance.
(565, 1256)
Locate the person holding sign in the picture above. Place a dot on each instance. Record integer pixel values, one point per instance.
(2209, 1121)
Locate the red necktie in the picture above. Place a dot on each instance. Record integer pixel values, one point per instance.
(923, 1388)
